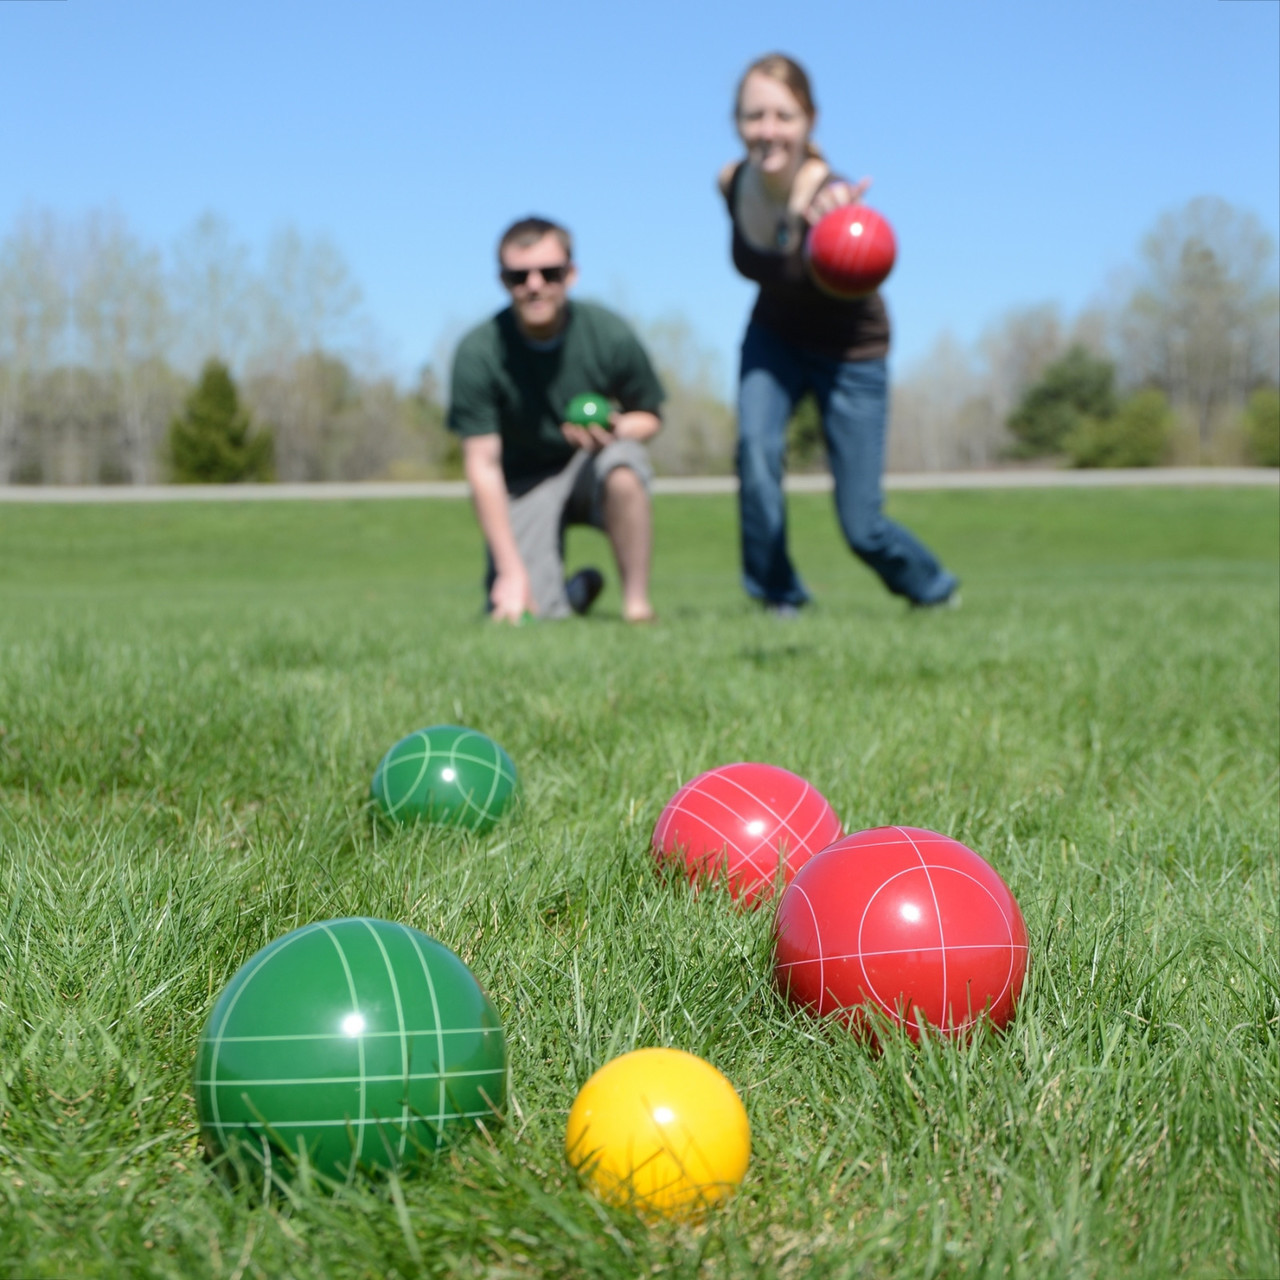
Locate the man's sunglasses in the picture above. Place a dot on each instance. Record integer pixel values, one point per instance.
(513, 276)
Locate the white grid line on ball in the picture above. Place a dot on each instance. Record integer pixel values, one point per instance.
(435, 1009)
(468, 796)
(495, 772)
(817, 933)
(414, 1076)
(350, 1122)
(406, 792)
(937, 912)
(432, 754)
(1008, 924)
(781, 821)
(342, 1035)
(355, 1008)
(404, 1042)
(912, 951)
(866, 977)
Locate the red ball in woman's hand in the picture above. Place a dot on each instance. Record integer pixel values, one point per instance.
(851, 251)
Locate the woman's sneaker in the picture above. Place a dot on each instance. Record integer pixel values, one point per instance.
(947, 595)
(782, 609)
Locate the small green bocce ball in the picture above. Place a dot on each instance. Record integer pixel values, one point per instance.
(588, 410)
(358, 1041)
(445, 774)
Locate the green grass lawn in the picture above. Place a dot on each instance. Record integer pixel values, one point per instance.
(192, 702)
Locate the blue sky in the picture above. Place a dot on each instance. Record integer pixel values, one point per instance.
(1021, 148)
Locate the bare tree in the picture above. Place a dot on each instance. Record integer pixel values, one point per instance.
(431, 449)
(122, 323)
(1017, 350)
(698, 428)
(308, 318)
(378, 435)
(34, 325)
(307, 300)
(1203, 323)
(940, 412)
(211, 295)
(90, 319)
(951, 408)
(302, 399)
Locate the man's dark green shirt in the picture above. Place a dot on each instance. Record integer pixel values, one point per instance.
(501, 383)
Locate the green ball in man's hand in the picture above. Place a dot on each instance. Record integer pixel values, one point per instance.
(589, 410)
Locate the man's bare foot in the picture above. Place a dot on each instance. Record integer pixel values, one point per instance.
(639, 613)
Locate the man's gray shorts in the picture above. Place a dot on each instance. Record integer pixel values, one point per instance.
(541, 511)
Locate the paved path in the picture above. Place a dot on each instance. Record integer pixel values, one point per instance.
(1146, 477)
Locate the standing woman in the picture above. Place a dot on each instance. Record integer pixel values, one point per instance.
(801, 339)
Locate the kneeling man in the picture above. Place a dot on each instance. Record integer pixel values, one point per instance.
(532, 473)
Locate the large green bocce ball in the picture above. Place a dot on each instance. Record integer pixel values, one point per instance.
(357, 1040)
(448, 775)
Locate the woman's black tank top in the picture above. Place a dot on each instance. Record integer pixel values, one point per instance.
(796, 310)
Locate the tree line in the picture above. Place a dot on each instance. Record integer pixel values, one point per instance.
(103, 338)
(123, 364)
(1178, 363)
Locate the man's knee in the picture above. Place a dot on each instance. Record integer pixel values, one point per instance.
(626, 483)
(624, 499)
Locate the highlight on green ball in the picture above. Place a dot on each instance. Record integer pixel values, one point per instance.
(348, 1043)
(448, 775)
(588, 410)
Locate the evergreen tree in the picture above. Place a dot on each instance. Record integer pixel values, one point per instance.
(213, 442)
(1076, 387)
(1137, 435)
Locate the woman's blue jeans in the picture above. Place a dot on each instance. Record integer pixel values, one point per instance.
(853, 397)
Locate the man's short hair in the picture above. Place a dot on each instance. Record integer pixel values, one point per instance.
(530, 230)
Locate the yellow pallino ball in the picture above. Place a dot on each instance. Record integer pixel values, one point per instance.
(659, 1130)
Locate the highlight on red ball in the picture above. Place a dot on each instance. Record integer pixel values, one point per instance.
(851, 251)
(745, 826)
(904, 921)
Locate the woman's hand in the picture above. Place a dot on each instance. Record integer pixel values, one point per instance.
(833, 196)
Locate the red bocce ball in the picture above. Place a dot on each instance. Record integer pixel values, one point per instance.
(850, 251)
(905, 921)
(736, 824)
